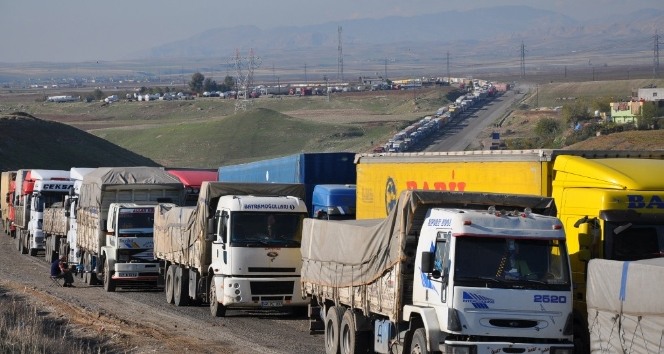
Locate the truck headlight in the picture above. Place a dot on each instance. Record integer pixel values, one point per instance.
(462, 349)
(562, 350)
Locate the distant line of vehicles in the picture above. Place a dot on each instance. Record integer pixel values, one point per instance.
(429, 256)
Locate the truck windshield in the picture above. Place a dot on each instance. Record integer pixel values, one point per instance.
(258, 228)
(633, 241)
(500, 262)
(140, 218)
(45, 200)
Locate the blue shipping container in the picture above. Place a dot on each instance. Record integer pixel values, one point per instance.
(310, 169)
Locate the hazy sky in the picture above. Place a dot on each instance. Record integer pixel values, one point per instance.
(84, 30)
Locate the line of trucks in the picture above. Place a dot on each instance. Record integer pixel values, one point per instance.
(429, 262)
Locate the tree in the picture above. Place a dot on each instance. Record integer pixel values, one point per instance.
(98, 94)
(603, 104)
(209, 85)
(196, 83)
(574, 112)
(227, 85)
(548, 128)
(649, 111)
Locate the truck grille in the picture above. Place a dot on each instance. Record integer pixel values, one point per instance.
(272, 287)
(271, 270)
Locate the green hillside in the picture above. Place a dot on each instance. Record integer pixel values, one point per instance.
(258, 133)
(29, 142)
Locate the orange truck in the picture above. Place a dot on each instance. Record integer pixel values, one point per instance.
(611, 203)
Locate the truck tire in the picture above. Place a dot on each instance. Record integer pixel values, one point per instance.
(51, 252)
(170, 273)
(181, 286)
(109, 283)
(22, 241)
(216, 309)
(352, 340)
(18, 242)
(332, 330)
(32, 251)
(419, 343)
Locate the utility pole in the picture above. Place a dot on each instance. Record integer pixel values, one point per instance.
(327, 89)
(655, 60)
(523, 61)
(305, 75)
(340, 60)
(448, 66)
(386, 69)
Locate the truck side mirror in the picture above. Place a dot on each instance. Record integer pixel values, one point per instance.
(584, 255)
(427, 262)
(210, 229)
(585, 237)
(224, 227)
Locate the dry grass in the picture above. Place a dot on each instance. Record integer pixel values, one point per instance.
(25, 329)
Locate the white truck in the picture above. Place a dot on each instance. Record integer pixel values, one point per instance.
(39, 190)
(238, 247)
(115, 223)
(445, 272)
(625, 303)
(60, 220)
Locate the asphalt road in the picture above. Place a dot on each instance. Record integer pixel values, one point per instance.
(465, 129)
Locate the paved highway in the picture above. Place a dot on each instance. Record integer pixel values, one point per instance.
(465, 129)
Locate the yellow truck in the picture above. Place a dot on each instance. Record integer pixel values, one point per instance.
(611, 203)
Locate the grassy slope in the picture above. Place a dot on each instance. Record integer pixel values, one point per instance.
(255, 134)
(28, 142)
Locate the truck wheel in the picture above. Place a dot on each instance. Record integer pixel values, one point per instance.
(51, 254)
(170, 273)
(181, 287)
(109, 283)
(18, 242)
(332, 329)
(32, 251)
(352, 340)
(216, 309)
(419, 343)
(23, 239)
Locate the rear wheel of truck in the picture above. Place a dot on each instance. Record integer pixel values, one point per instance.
(51, 253)
(22, 242)
(109, 283)
(170, 273)
(90, 277)
(181, 286)
(32, 251)
(216, 309)
(352, 340)
(332, 328)
(18, 242)
(419, 343)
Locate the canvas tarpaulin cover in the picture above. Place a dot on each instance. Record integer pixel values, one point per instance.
(357, 252)
(626, 306)
(100, 179)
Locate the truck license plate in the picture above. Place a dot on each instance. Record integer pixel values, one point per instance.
(128, 275)
(271, 303)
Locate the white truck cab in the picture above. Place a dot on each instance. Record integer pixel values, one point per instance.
(256, 257)
(128, 249)
(492, 278)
